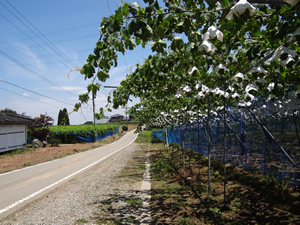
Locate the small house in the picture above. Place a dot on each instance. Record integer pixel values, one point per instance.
(13, 131)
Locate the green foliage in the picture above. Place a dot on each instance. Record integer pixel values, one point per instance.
(27, 164)
(176, 33)
(9, 111)
(40, 133)
(135, 202)
(144, 137)
(64, 133)
(40, 127)
(63, 117)
(54, 141)
(183, 221)
(18, 151)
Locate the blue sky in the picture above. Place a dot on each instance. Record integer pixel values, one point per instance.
(43, 60)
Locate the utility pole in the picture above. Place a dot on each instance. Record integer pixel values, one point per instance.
(126, 109)
(94, 118)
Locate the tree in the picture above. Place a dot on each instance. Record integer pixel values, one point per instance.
(39, 129)
(9, 111)
(212, 50)
(60, 117)
(66, 119)
(207, 56)
(63, 117)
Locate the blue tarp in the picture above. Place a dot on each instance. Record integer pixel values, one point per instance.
(157, 135)
(91, 139)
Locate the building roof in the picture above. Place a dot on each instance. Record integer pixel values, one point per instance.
(13, 119)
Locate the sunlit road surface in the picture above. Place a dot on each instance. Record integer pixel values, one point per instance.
(18, 188)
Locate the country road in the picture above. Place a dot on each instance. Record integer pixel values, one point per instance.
(18, 188)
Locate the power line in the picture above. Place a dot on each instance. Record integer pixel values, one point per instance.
(56, 32)
(63, 40)
(42, 56)
(51, 43)
(29, 98)
(41, 101)
(39, 45)
(60, 41)
(108, 7)
(59, 54)
(47, 62)
(35, 92)
(33, 72)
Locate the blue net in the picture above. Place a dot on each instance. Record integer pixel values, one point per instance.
(157, 136)
(99, 137)
(247, 144)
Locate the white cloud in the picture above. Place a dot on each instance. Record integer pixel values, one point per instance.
(77, 89)
(26, 51)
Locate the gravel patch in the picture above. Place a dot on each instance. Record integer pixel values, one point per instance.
(90, 197)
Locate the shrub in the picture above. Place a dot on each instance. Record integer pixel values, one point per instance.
(54, 141)
(125, 128)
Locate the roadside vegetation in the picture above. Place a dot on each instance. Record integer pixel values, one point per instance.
(144, 137)
(81, 133)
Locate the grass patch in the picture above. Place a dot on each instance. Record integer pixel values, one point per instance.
(144, 137)
(80, 221)
(135, 202)
(27, 164)
(17, 151)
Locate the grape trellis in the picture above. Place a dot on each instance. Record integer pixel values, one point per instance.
(230, 64)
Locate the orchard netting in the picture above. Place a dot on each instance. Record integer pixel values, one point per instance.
(248, 145)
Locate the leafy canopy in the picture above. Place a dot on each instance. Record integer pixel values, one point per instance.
(235, 53)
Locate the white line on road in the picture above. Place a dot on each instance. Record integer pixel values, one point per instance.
(63, 179)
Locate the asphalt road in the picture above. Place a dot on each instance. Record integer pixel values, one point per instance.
(18, 188)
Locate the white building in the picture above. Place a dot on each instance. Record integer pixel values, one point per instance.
(13, 131)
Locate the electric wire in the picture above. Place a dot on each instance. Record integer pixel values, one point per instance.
(43, 102)
(44, 62)
(35, 92)
(35, 34)
(33, 72)
(38, 45)
(54, 47)
(43, 56)
(108, 7)
(57, 42)
(29, 98)
(56, 32)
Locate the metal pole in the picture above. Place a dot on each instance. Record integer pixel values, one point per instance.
(94, 118)
(225, 146)
(270, 137)
(208, 145)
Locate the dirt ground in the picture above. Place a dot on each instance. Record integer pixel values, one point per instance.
(33, 156)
